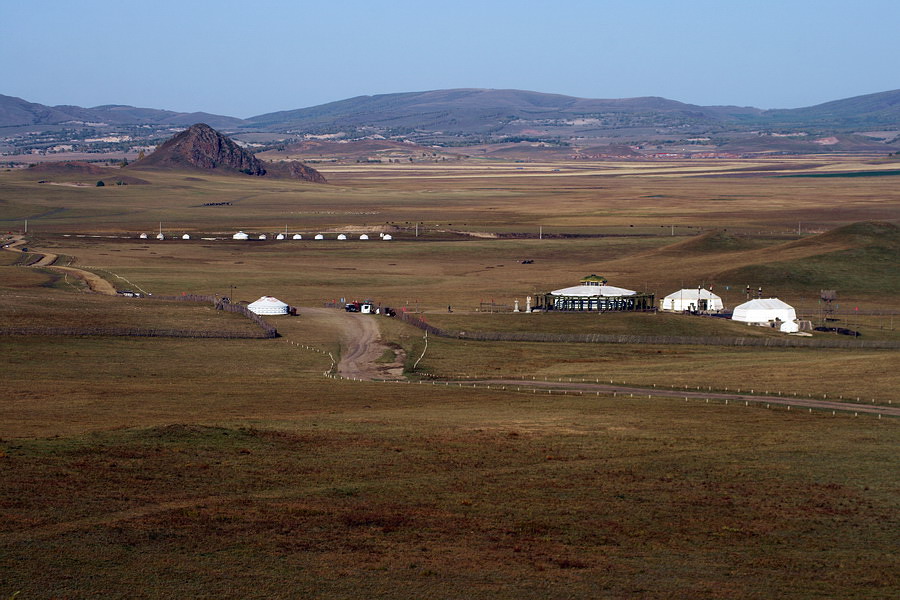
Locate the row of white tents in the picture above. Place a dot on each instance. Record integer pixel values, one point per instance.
(240, 235)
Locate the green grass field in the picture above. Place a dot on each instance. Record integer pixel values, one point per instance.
(220, 468)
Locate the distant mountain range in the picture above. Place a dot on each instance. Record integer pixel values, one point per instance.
(463, 117)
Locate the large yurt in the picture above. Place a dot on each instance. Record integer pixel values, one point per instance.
(240, 235)
(692, 300)
(763, 311)
(593, 294)
(268, 305)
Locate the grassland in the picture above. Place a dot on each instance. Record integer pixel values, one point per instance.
(235, 468)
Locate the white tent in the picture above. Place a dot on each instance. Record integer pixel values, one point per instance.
(185, 237)
(387, 236)
(342, 237)
(280, 236)
(364, 237)
(763, 311)
(588, 291)
(692, 300)
(319, 236)
(240, 235)
(143, 236)
(297, 236)
(263, 236)
(267, 305)
(160, 236)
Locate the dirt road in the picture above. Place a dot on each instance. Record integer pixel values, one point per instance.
(696, 395)
(361, 345)
(94, 282)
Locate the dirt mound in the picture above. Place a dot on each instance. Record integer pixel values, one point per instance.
(70, 167)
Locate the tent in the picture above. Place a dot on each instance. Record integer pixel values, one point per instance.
(693, 300)
(387, 236)
(240, 235)
(363, 237)
(763, 311)
(319, 236)
(185, 237)
(143, 236)
(297, 236)
(280, 236)
(342, 237)
(267, 305)
(590, 291)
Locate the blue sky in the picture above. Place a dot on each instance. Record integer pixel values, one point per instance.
(248, 58)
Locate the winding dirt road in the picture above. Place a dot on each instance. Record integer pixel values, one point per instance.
(94, 282)
(361, 345)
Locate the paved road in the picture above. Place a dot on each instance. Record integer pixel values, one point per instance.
(641, 391)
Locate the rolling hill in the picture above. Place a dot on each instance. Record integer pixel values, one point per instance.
(869, 123)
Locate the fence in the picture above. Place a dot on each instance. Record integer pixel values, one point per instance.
(600, 338)
(267, 330)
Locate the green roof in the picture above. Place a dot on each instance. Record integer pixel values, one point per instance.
(593, 278)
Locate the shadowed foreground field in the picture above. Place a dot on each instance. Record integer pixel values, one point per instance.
(443, 495)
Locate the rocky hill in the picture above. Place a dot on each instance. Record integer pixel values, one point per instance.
(200, 147)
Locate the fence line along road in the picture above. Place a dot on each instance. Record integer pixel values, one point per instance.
(604, 338)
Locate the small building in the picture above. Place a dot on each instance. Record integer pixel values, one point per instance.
(693, 300)
(592, 294)
(764, 311)
(240, 235)
(268, 305)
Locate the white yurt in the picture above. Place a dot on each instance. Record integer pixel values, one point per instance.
(763, 311)
(297, 236)
(268, 305)
(240, 235)
(160, 236)
(692, 300)
(319, 236)
(280, 236)
(363, 237)
(143, 236)
(387, 236)
(263, 236)
(185, 237)
(341, 236)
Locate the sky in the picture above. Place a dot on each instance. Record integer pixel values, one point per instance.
(245, 58)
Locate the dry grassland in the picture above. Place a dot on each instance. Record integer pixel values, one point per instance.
(235, 468)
